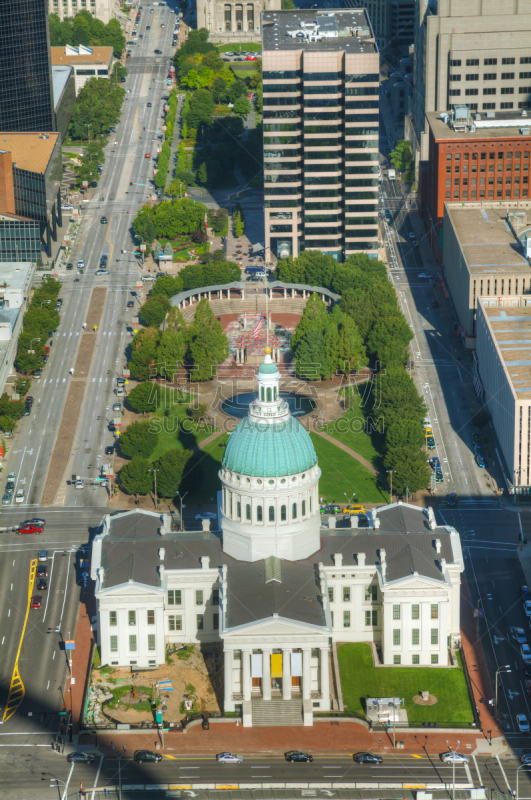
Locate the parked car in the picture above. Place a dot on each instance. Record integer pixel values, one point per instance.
(525, 652)
(367, 758)
(109, 450)
(519, 634)
(454, 758)
(331, 508)
(354, 510)
(430, 443)
(20, 496)
(229, 758)
(206, 515)
(297, 755)
(147, 755)
(480, 461)
(6, 499)
(527, 608)
(523, 723)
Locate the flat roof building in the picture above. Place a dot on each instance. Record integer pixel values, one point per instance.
(26, 100)
(64, 97)
(484, 257)
(320, 118)
(504, 367)
(31, 171)
(473, 157)
(87, 62)
(15, 282)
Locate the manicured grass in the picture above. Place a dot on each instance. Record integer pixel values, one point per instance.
(247, 47)
(342, 474)
(360, 679)
(178, 430)
(354, 428)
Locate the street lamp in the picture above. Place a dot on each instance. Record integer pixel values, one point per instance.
(453, 766)
(57, 782)
(31, 350)
(390, 473)
(181, 501)
(505, 668)
(524, 766)
(154, 471)
(45, 302)
(352, 496)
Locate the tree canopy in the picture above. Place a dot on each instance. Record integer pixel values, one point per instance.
(170, 469)
(138, 439)
(135, 476)
(154, 310)
(85, 29)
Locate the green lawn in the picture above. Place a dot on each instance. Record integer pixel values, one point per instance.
(177, 430)
(357, 430)
(202, 481)
(343, 474)
(247, 47)
(360, 679)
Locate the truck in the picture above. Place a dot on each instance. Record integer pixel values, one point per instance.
(392, 174)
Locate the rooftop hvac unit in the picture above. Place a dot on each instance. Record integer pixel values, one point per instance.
(524, 131)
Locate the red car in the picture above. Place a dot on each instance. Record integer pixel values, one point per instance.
(30, 529)
(148, 155)
(36, 601)
(251, 58)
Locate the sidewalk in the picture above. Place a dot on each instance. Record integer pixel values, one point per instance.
(81, 659)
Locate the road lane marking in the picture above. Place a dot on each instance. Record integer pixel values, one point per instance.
(503, 772)
(48, 595)
(97, 776)
(16, 688)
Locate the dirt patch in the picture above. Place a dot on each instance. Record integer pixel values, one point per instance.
(197, 679)
(421, 702)
(65, 437)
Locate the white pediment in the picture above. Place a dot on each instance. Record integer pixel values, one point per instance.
(130, 591)
(278, 626)
(410, 582)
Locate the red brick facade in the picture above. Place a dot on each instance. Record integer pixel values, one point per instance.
(471, 170)
(7, 196)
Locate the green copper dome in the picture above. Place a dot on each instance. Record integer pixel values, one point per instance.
(268, 369)
(269, 450)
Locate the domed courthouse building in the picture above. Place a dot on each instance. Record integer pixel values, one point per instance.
(271, 586)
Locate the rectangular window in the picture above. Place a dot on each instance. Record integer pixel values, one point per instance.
(371, 593)
(132, 644)
(508, 61)
(507, 90)
(346, 619)
(506, 105)
(215, 597)
(489, 91)
(114, 644)
(455, 92)
(396, 612)
(415, 611)
(415, 659)
(151, 617)
(471, 92)
(434, 636)
(132, 617)
(396, 659)
(524, 89)
(174, 597)
(473, 76)
(200, 620)
(434, 609)
(488, 106)
(215, 622)
(368, 618)
(490, 76)
(455, 62)
(490, 62)
(331, 594)
(151, 641)
(415, 636)
(434, 658)
(525, 59)
(199, 597)
(113, 618)
(346, 594)
(507, 76)
(396, 636)
(455, 77)
(175, 623)
(332, 618)
(472, 62)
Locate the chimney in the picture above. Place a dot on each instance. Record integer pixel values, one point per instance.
(443, 564)
(206, 524)
(432, 522)
(161, 572)
(382, 556)
(205, 562)
(338, 559)
(162, 530)
(331, 523)
(437, 544)
(162, 553)
(361, 559)
(354, 521)
(376, 523)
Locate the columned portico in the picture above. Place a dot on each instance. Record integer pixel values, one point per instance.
(246, 668)
(286, 674)
(266, 674)
(306, 674)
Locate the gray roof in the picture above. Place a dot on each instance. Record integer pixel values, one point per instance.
(403, 518)
(341, 22)
(251, 597)
(405, 553)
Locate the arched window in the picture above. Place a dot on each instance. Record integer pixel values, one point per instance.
(239, 510)
(310, 504)
(304, 508)
(274, 392)
(261, 392)
(271, 513)
(225, 500)
(268, 394)
(248, 512)
(282, 513)
(231, 505)
(259, 513)
(294, 511)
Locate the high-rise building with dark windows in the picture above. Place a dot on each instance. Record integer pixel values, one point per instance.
(320, 118)
(26, 97)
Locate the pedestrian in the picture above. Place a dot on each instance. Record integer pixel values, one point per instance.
(84, 325)
(71, 370)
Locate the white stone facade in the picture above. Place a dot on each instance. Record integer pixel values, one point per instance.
(105, 10)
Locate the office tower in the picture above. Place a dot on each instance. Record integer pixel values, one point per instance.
(103, 10)
(477, 53)
(26, 98)
(320, 117)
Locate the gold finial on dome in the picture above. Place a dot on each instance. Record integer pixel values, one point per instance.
(267, 351)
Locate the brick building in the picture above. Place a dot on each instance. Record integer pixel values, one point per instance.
(473, 158)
